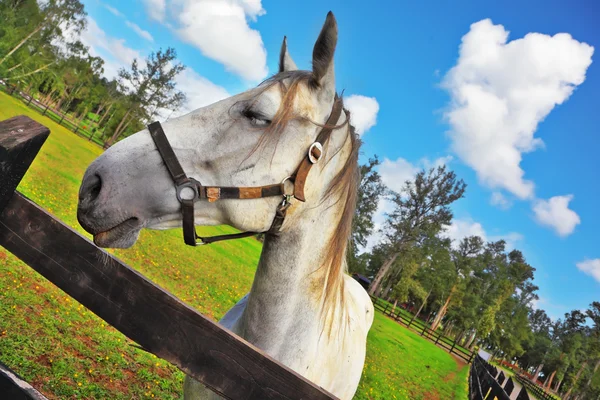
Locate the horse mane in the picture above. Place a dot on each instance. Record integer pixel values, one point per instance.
(343, 187)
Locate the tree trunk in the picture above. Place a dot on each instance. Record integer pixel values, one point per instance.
(381, 274)
(21, 43)
(422, 304)
(30, 73)
(442, 310)
(394, 307)
(458, 338)
(105, 114)
(472, 340)
(121, 125)
(583, 365)
(549, 383)
(537, 373)
(559, 383)
(13, 67)
(589, 382)
(448, 328)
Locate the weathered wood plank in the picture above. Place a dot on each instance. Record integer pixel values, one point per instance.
(20, 140)
(145, 313)
(13, 387)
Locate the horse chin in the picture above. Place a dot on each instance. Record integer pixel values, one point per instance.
(121, 236)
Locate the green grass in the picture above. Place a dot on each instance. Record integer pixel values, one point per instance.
(402, 365)
(418, 325)
(67, 352)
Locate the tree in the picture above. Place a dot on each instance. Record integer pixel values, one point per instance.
(462, 259)
(370, 190)
(150, 89)
(49, 22)
(421, 209)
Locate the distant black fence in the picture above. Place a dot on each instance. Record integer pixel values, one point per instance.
(485, 382)
(536, 390)
(61, 118)
(421, 328)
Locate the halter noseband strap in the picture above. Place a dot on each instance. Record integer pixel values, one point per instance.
(190, 190)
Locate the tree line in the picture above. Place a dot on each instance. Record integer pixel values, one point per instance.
(479, 293)
(40, 53)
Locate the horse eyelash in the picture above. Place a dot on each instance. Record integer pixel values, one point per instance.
(250, 114)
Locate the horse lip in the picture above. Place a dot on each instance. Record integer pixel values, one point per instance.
(107, 236)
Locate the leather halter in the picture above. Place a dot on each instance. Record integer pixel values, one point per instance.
(190, 190)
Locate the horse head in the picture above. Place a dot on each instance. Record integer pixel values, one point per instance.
(256, 138)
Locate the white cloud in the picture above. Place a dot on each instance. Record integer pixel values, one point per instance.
(156, 9)
(112, 50)
(500, 91)
(199, 91)
(142, 33)
(500, 201)
(590, 267)
(461, 228)
(363, 112)
(219, 29)
(556, 214)
(395, 173)
(113, 10)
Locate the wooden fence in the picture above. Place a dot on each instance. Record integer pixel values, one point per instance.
(535, 389)
(421, 327)
(486, 382)
(156, 320)
(57, 116)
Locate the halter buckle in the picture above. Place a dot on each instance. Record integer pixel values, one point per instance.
(313, 159)
(191, 184)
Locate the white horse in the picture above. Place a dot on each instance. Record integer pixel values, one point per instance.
(303, 309)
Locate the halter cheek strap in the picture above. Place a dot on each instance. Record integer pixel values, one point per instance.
(190, 190)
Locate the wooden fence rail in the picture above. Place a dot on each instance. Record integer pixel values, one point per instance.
(144, 312)
(421, 328)
(58, 116)
(537, 391)
(485, 382)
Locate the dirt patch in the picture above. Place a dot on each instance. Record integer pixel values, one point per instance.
(432, 395)
(449, 377)
(43, 360)
(460, 363)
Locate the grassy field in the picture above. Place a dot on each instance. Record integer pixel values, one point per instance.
(67, 352)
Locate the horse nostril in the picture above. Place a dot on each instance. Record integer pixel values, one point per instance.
(90, 190)
(95, 189)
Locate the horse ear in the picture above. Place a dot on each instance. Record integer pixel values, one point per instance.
(323, 54)
(285, 60)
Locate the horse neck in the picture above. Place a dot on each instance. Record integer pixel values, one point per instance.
(285, 304)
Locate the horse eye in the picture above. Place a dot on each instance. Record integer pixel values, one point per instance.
(256, 118)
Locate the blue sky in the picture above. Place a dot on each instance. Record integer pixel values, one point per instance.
(516, 118)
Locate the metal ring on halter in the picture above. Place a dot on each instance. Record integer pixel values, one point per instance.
(193, 185)
(287, 197)
(311, 157)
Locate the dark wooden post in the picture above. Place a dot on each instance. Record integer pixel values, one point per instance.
(453, 344)
(30, 98)
(13, 387)
(46, 109)
(20, 140)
